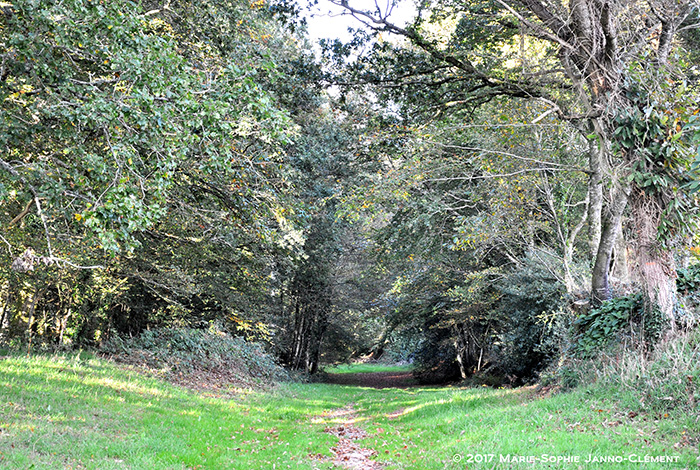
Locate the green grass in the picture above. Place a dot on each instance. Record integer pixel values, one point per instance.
(63, 412)
(69, 413)
(364, 368)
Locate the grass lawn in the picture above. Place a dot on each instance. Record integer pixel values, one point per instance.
(68, 412)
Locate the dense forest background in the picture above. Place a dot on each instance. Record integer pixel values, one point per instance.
(497, 188)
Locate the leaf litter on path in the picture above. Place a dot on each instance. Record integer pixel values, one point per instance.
(348, 453)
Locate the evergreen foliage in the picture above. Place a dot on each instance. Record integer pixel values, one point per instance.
(485, 195)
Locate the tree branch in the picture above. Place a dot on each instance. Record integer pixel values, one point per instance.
(22, 214)
(558, 31)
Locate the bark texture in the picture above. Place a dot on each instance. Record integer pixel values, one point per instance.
(655, 266)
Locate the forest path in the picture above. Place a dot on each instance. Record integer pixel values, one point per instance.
(64, 411)
(400, 379)
(348, 452)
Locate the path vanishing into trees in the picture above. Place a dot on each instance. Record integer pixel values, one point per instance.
(388, 379)
(349, 453)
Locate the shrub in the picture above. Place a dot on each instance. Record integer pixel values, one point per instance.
(434, 359)
(513, 328)
(622, 318)
(688, 284)
(532, 312)
(187, 351)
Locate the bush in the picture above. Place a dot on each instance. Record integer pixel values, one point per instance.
(434, 359)
(513, 328)
(532, 308)
(688, 284)
(186, 351)
(624, 319)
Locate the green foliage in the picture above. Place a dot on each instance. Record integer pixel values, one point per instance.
(159, 144)
(659, 132)
(619, 318)
(508, 325)
(481, 241)
(688, 284)
(532, 307)
(186, 350)
(688, 281)
(106, 110)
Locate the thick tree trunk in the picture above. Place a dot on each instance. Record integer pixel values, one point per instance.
(655, 267)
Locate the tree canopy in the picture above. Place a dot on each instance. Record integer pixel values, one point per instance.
(456, 191)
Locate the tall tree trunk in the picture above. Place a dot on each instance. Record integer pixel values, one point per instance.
(595, 195)
(30, 321)
(620, 269)
(600, 277)
(6, 307)
(461, 350)
(315, 355)
(63, 326)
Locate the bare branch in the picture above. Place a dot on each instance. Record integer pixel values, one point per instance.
(9, 247)
(554, 24)
(46, 227)
(22, 214)
(550, 165)
(493, 175)
(381, 24)
(73, 265)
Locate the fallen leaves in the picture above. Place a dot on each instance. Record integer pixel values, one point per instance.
(348, 453)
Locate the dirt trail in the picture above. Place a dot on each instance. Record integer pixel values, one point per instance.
(348, 453)
(374, 379)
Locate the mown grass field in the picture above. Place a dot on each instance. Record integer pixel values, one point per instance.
(70, 413)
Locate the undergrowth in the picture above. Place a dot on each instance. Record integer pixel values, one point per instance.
(187, 355)
(624, 319)
(661, 381)
(666, 379)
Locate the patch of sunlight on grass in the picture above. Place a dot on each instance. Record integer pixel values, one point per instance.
(126, 386)
(102, 417)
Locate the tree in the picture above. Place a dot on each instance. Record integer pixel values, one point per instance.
(147, 145)
(587, 61)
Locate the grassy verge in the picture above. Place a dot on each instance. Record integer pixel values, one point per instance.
(485, 428)
(68, 412)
